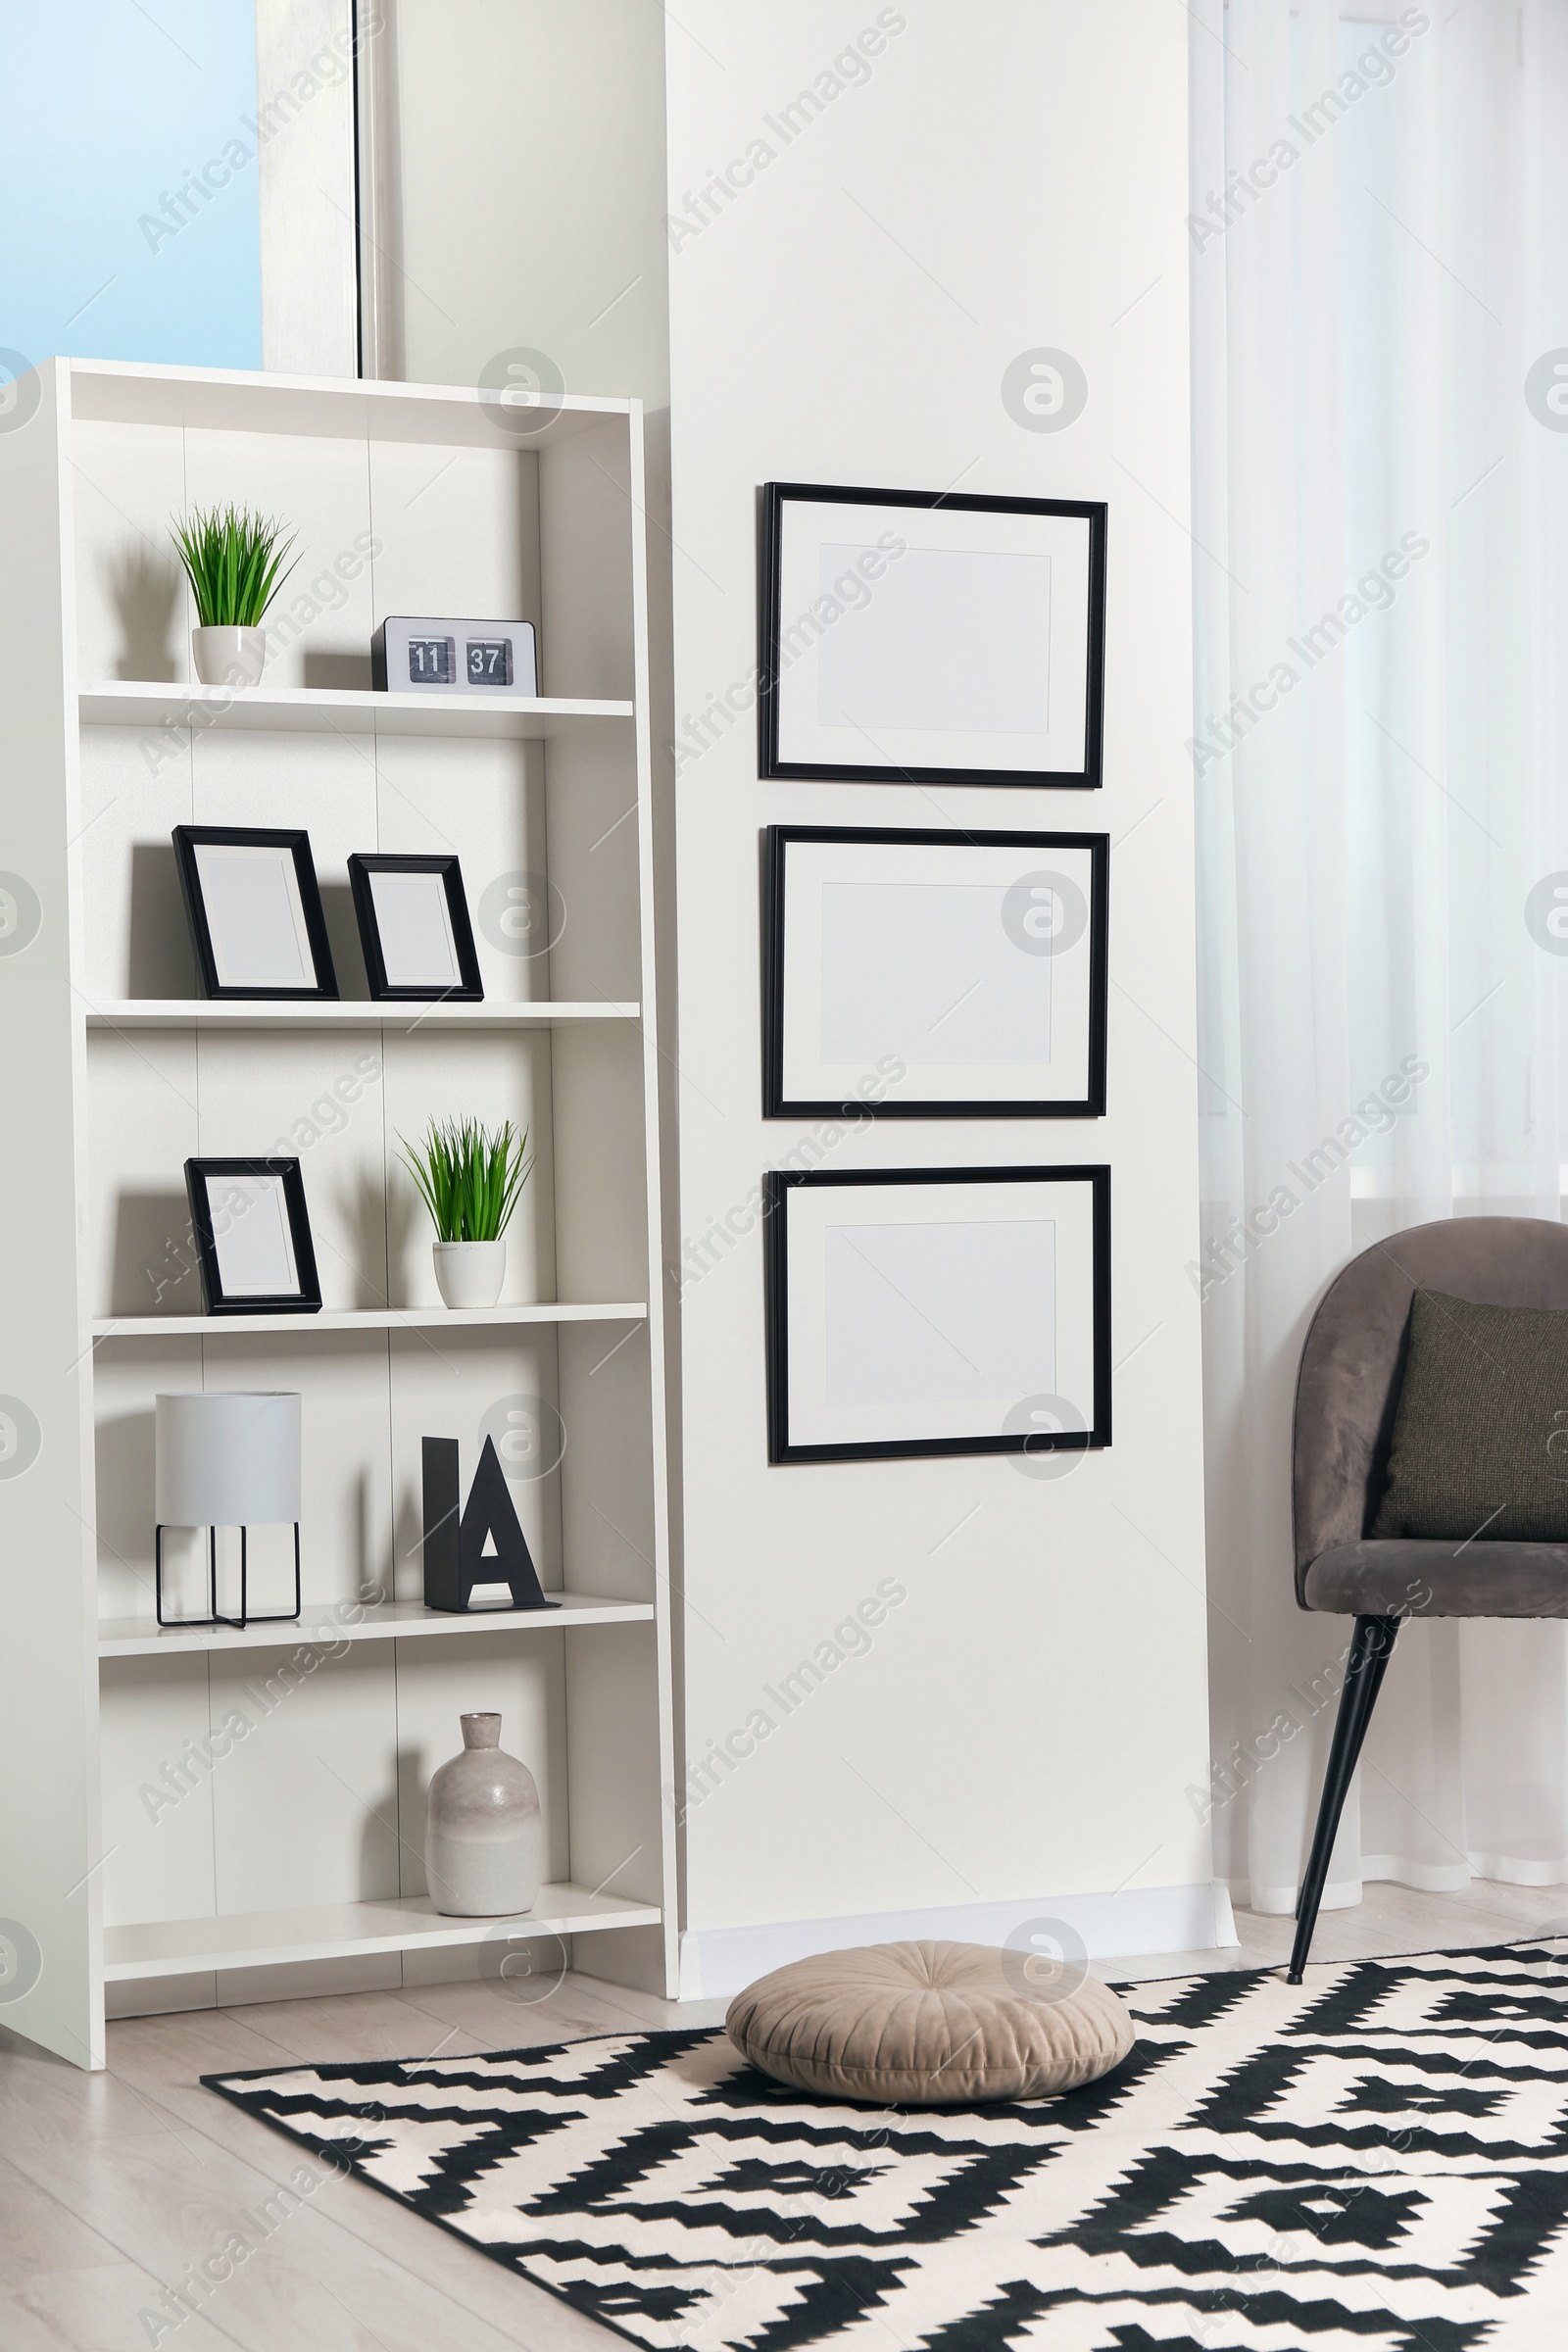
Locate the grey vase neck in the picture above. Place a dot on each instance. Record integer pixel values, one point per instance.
(480, 1731)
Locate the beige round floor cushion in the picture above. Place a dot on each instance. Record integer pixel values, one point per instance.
(930, 2025)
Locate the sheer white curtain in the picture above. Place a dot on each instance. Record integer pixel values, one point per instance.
(1380, 307)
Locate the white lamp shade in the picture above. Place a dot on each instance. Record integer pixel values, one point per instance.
(227, 1460)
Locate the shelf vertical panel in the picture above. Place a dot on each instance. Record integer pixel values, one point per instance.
(615, 1498)
(652, 1074)
(49, 1824)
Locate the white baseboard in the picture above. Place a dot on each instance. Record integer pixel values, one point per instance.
(1399, 1870)
(716, 1962)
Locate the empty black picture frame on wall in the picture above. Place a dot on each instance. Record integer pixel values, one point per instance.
(931, 974)
(252, 1237)
(255, 912)
(413, 915)
(918, 636)
(916, 1311)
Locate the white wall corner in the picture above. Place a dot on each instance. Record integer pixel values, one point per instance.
(1133, 1923)
(691, 1967)
(1226, 1938)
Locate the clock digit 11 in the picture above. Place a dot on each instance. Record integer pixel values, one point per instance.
(431, 661)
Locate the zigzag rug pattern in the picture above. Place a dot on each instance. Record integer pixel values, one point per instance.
(1377, 2160)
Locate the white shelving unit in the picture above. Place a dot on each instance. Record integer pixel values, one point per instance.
(406, 1021)
(184, 1947)
(370, 1621)
(374, 1318)
(195, 1815)
(510, 718)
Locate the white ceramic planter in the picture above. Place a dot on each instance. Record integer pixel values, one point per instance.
(471, 1273)
(228, 656)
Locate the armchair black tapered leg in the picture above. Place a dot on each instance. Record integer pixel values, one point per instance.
(1371, 1646)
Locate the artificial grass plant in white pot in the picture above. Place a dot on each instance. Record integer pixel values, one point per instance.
(469, 1178)
(233, 560)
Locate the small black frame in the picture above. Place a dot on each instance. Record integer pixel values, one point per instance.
(200, 1176)
(774, 495)
(187, 840)
(471, 990)
(776, 840)
(778, 1183)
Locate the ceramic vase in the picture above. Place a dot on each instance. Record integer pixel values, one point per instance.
(471, 1273)
(483, 1836)
(228, 656)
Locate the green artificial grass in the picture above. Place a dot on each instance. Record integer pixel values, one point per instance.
(470, 1177)
(233, 561)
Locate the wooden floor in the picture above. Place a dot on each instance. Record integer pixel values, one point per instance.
(112, 2186)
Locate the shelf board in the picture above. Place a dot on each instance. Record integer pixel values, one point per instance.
(343, 711)
(379, 1318)
(379, 1621)
(182, 1012)
(178, 1947)
(347, 407)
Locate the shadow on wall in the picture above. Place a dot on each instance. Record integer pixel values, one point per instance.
(406, 1865)
(159, 955)
(155, 1270)
(124, 1487)
(415, 1767)
(347, 673)
(343, 938)
(364, 1206)
(146, 591)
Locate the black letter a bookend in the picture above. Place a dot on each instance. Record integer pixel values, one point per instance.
(455, 1556)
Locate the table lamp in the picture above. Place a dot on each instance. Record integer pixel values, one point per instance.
(227, 1460)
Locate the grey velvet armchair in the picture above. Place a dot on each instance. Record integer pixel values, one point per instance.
(1346, 1395)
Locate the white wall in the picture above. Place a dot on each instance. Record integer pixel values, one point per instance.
(1025, 1722)
(528, 142)
(1020, 1736)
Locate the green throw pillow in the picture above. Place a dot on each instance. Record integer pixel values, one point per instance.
(1481, 1432)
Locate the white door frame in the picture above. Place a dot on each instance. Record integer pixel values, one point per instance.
(308, 64)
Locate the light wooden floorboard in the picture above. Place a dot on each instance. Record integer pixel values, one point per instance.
(61, 2284)
(1388, 1919)
(366, 2024)
(113, 2186)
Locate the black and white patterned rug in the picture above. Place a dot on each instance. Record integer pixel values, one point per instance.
(1376, 2160)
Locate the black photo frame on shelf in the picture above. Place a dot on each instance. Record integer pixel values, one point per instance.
(932, 974)
(923, 637)
(413, 915)
(252, 1237)
(938, 1311)
(255, 912)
